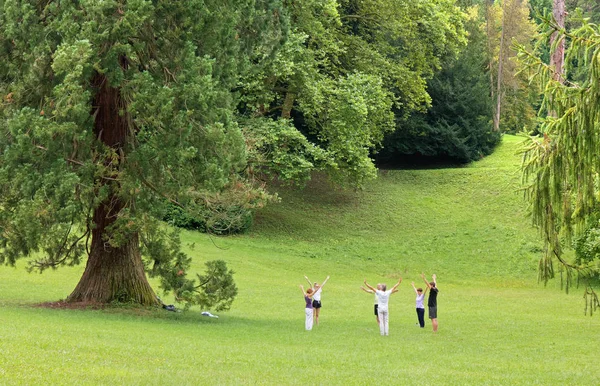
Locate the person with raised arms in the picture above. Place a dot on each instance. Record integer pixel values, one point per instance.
(375, 304)
(383, 297)
(316, 299)
(420, 306)
(432, 300)
(308, 309)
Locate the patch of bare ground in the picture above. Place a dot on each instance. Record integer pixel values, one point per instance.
(113, 308)
(61, 304)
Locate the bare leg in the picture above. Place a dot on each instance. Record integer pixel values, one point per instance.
(434, 323)
(317, 310)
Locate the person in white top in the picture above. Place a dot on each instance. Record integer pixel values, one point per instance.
(420, 305)
(383, 297)
(375, 305)
(316, 299)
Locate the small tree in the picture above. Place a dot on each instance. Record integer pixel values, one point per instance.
(108, 110)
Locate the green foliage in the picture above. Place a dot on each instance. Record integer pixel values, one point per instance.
(508, 24)
(169, 68)
(589, 9)
(353, 113)
(561, 166)
(229, 211)
(162, 250)
(458, 125)
(221, 220)
(587, 247)
(278, 149)
(344, 67)
(215, 287)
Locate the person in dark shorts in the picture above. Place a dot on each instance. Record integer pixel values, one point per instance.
(432, 300)
(379, 287)
(375, 306)
(316, 299)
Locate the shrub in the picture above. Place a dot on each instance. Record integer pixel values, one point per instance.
(219, 220)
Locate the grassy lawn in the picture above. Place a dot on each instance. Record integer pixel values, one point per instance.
(467, 225)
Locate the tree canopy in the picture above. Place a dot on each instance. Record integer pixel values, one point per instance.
(348, 68)
(458, 124)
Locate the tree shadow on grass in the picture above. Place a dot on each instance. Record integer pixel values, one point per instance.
(319, 189)
(191, 317)
(149, 313)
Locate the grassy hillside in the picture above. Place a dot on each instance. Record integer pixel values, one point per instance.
(468, 225)
(465, 223)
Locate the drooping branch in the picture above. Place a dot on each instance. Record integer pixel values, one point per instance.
(56, 260)
(561, 168)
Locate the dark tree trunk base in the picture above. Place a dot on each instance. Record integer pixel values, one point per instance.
(114, 275)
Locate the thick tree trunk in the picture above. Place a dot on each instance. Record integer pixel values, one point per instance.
(112, 273)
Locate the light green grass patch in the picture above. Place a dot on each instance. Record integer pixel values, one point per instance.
(468, 225)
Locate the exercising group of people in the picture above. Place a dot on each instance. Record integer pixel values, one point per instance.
(312, 298)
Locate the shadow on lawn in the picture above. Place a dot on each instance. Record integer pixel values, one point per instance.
(153, 313)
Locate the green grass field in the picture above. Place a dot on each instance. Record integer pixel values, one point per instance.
(467, 225)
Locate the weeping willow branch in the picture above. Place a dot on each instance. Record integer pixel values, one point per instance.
(561, 167)
(591, 300)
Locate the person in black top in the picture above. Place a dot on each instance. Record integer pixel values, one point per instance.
(432, 300)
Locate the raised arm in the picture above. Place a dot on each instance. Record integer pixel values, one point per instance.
(304, 292)
(434, 279)
(324, 281)
(367, 290)
(415, 288)
(368, 286)
(425, 280)
(395, 288)
(309, 282)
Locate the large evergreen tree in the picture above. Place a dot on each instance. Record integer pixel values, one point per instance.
(108, 109)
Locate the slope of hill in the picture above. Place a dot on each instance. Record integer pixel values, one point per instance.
(464, 221)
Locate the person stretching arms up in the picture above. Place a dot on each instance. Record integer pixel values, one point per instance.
(432, 300)
(308, 309)
(316, 299)
(375, 306)
(420, 306)
(383, 298)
